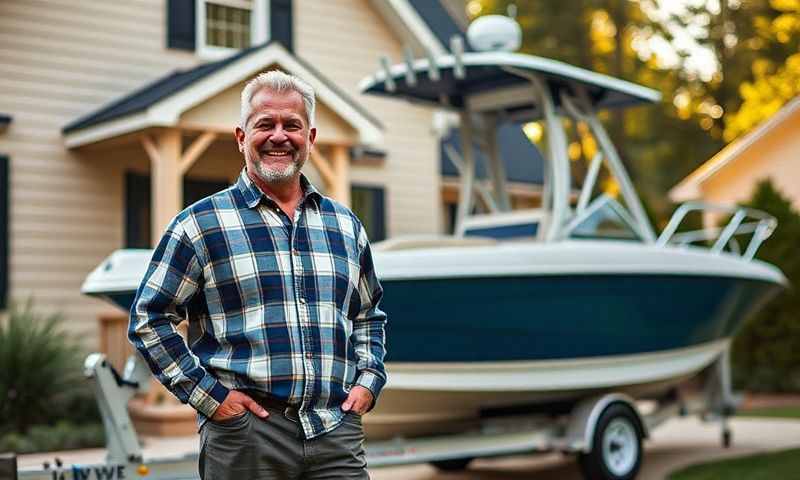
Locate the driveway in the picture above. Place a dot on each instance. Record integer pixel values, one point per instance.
(678, 442)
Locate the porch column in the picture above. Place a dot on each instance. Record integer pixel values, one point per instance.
(340, 159)
(166, 180)
(335, 172)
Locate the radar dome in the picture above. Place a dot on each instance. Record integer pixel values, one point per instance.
(495, 33)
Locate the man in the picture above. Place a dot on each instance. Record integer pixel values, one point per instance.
(285, 339)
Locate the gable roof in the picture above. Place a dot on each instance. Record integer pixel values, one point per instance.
(689, 187)
(161, 102)
(425, 23)
(439, 21)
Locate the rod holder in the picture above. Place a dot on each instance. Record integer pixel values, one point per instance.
(411, 76)
(433, 68)
(457, 48)
(387, 71)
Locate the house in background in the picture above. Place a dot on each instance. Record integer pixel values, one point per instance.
(771, 150)
(115, 115)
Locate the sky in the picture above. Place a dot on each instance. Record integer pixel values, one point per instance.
(701, 60)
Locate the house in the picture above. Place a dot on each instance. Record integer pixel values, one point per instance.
(115, 115)
(771, 150)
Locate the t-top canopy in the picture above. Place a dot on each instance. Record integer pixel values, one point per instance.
(496, 81)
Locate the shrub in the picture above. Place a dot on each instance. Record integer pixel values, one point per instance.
(766, 352)
(41, 378)
(64, 435)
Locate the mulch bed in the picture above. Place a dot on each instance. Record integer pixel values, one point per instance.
(770, 400)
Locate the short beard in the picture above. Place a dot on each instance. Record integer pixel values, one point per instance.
(276, 174)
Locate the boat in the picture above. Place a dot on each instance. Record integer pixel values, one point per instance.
(537, 309)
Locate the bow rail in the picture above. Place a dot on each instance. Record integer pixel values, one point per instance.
(744, 221)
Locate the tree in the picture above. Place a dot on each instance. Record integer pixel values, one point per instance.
(773, 84)
(754, 44)
(657, 144)
(766, 352)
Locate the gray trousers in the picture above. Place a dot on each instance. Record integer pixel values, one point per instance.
(248, 447)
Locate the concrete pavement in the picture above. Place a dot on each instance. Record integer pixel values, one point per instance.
(677, 443)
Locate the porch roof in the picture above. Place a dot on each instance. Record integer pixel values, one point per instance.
(160, 103)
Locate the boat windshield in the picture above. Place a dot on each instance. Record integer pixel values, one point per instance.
(605, 218)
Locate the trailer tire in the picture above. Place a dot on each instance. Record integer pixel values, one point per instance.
(452, 465)
(616, 446)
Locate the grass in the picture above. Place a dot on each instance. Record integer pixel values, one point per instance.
(790, 411)
(769, 466)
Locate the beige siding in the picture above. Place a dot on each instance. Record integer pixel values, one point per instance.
(222, 114)
(344, 39)
(773, 156)
(60, 59)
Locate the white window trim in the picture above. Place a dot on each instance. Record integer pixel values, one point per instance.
(259, 19)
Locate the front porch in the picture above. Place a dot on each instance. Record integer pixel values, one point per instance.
(171, 143)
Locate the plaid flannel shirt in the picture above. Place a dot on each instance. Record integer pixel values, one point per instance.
(288, 307)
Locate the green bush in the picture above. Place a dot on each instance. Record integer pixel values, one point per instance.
(41, 379)
(64, 435)
(766, 352)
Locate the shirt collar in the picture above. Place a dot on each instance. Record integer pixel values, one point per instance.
(253, 195)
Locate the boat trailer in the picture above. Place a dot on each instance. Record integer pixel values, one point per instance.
(603, 429)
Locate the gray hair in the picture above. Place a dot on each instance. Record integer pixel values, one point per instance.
(279, 82)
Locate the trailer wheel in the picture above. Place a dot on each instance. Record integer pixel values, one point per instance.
(452, 465)
(616, 446)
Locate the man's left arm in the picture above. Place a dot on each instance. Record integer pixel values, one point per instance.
(368, 329)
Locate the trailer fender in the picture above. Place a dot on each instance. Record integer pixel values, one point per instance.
(584, 417)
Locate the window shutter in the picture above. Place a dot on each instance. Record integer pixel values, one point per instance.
(281, 23)
(380, 215)
(5, 198)
(181, 24)
(369, 205)
(137, 211)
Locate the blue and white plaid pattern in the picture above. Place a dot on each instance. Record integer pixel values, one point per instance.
(289, 309)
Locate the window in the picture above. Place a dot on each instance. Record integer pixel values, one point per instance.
(218, 28)
(368, 203)
(225, 26)
(137, 205)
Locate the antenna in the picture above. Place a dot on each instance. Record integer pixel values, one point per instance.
(512, 10)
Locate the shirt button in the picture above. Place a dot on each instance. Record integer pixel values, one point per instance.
(309, 355)
(294, 250)
(303, 301)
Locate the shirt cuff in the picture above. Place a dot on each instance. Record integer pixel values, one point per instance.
(372, 382)
(208, 395)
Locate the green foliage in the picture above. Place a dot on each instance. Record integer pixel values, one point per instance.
(41, 379)
(766, 352)
(753, 49)
(766, 466)
(64, 435)
(658, 144)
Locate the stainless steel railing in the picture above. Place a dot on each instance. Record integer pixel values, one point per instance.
(744, 221)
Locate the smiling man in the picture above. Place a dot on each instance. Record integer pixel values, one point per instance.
(286, 339)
